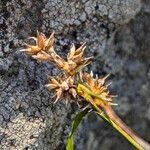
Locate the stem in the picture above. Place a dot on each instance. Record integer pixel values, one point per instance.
(124, 130)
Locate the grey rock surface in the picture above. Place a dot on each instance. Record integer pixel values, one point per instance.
(117, 33)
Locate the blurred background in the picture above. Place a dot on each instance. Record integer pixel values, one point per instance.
(117, 34)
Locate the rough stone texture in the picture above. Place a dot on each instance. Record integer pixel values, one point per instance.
(117, 33)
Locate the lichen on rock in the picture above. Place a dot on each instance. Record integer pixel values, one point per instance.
(28, 117)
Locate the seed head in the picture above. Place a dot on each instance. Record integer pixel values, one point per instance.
(62, 85)
(97, 86)
(42, 45)
(75, 60)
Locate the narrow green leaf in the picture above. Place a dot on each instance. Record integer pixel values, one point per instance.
(70, 143)
(76, 121)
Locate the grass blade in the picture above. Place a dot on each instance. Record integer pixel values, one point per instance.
(76, 121)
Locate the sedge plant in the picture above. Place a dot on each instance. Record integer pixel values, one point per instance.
(82, 87)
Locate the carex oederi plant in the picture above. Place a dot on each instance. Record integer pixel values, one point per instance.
(80, 86)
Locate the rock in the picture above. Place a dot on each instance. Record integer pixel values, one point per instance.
(117, 35)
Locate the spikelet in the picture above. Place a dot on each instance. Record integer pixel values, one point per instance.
(62, 85)
(42, 48)
(75, 60)
(97, 86)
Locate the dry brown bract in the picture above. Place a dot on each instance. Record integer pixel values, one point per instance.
(62, 85)
(75, 60)
(97, 86)
(42, 45)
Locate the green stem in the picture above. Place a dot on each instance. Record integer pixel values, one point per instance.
(121, 131)
(124, 130)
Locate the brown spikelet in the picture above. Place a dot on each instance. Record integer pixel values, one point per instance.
(96, 85)
(62, 85)
(75, 60)
(76, 56)
(42, 45)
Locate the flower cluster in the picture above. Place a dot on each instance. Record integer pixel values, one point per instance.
(43, 50)
(98, 87)
(61, 85)
(42, 45)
